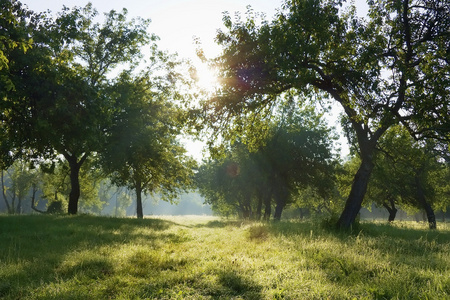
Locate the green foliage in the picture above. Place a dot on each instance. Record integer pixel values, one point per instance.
(408, 172)
(17, 182)
(60, 104)
(291, 154)
(141, 151)
(81, 257)
(68, 102)
(56, 207)
(390, 68)
(56, 186)
(14, 38)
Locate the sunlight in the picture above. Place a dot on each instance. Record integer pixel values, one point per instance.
(206, 78)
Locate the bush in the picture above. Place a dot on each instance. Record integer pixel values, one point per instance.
(55, 207)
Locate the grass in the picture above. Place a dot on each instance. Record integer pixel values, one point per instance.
(85, 257)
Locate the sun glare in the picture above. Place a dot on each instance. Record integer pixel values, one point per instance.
(206, 78)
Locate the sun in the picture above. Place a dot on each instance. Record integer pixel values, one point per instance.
(206, 78)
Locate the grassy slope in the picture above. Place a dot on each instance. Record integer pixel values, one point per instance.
(82, 257)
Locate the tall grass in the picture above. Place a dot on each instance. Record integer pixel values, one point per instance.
(84, 257)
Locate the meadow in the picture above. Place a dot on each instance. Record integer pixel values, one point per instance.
(86, 257)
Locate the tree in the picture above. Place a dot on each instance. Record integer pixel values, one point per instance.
(374, 68)
(56, 185)
(408, 173)
(16, 23)
(16, 184)
(227, 183)
(294, 154)
(142, 151)
(118, 199)
(61, 104)
(298, 154)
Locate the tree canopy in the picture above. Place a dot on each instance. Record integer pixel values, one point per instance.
(62, 95)
(294, 154)
(385, 69)
(409, 174)
(142, 151)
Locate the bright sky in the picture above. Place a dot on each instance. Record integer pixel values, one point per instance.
(176, 22)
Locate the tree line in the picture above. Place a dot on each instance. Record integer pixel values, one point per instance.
(79, 96)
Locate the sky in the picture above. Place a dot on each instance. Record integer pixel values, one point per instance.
(178, 23)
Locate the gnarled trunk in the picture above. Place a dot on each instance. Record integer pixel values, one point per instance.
(391, 209)
(357, 193)
(420, 194)
(74, 194)
(33, 199)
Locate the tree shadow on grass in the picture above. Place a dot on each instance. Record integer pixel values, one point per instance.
(231, 283)
(38, 248)
(404, 233)
(220, 224)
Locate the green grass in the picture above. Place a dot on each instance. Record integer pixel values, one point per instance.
(84, 257)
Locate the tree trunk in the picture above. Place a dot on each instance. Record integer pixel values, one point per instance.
(367, 141)
(391, 209)
(248, 205)
(278, 211)
(74, 194)
(139, 210)
(259, 206)
(246, 211)
(33, 200)
(13, 202)
(281, 196)
(19, 205)
(8, 207)
(356, 196)
(303, 212)
(430, 215)
(420, 193)
(75, 190)
(267, 204)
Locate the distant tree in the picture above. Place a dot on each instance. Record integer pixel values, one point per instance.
(116, 199)
(142, 152)
(226, 184)
(391, 67)
(208, 181)
(17, 183)
(408, 173)
(299, 153)
(56, 184)
(441, 178)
